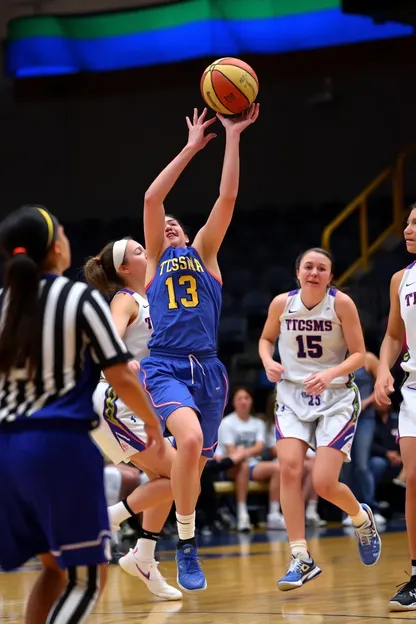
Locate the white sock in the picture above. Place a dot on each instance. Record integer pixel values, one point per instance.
(274, 507)
(145, 549)
(242, 509)
(361, 518)
(299, 548)
(312, 506)
(186, 526)
(118, 513)
(413, 570)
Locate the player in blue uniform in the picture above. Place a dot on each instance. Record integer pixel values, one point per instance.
(185, 381)
(55, 336)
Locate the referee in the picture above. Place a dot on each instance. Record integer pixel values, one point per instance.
(55, 337)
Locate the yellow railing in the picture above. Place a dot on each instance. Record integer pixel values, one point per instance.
(395, 174)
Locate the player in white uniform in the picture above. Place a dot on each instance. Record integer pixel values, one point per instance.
(120, 269)
(402, 322)
(317, 403)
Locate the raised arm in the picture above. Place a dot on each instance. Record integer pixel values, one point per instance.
(392, 344)
(154, 211)
(209, 238)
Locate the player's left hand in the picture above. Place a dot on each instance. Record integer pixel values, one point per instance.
(318, 383)
(155, 437)
(240, 123)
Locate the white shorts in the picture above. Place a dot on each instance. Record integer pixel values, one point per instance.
(327, 420)
(120, 433)
(407, 413)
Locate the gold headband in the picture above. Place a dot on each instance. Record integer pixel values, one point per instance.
(49, 223)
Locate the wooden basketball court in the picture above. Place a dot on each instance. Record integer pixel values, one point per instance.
(242, 588)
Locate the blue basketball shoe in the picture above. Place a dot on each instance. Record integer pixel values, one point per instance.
(369, 542)
(299, 572)
(190, 576)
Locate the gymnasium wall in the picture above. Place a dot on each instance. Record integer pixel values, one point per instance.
(90, 145)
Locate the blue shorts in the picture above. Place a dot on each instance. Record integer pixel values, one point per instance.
(52, 498)
(201, 384)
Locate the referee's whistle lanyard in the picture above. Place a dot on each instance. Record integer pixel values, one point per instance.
(193, 361)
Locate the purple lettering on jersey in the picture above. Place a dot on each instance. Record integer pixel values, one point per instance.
(309, 346)
(410, 299)
(148, 322)
(308, 325)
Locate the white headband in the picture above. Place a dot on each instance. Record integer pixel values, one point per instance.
(119, 249)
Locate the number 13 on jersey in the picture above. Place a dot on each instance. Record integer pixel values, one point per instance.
(191, 300)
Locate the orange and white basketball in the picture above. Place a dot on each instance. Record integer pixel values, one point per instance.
(229, 86)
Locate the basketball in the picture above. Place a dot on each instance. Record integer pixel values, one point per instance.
(229, 86)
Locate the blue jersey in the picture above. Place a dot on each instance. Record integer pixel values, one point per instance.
(185, 302)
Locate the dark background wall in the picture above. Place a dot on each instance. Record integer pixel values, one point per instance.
(88, 146)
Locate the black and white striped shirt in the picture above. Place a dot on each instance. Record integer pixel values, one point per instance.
(77, 340)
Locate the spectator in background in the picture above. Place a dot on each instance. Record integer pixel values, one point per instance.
(357, 474)
(386, 462)
(242, 430)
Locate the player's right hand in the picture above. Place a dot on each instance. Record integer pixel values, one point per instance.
(274, 371)
(383, 387)
(197, 138)
(155, 437)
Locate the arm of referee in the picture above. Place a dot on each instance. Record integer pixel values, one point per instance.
(110, 352)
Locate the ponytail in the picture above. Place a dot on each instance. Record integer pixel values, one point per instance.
(97, 277)
(100, 271)
(19, 333)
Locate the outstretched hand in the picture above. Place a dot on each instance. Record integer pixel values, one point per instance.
(197, 139)
(240, 123)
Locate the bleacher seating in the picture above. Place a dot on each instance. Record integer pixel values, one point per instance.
(228, 487)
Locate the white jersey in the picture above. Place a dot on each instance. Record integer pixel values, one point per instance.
(311, 341)
(139, 332)
(407, 297)
(121, 433)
